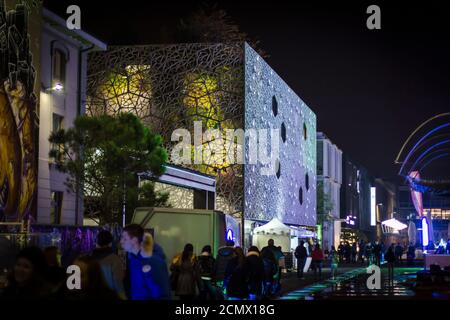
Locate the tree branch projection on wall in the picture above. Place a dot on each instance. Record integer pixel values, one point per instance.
(170, 87)
(18, 114)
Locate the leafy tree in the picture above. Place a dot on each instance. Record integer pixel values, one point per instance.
(102, 156)
(209, 24)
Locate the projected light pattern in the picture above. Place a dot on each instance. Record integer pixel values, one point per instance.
(171, 86)
(267, 197)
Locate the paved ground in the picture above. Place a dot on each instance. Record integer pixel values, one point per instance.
(351, 283)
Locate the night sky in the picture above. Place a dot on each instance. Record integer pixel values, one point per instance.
(369, 88)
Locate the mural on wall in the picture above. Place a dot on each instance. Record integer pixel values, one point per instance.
(18, 117)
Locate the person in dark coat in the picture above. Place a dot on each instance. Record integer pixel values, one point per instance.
(27, 280)
(206, 264)
(341, 252)
(236, 276)
(270, 271)
(300, 255)
(348, 252)
(93, 286)
(110, 263)
(185, 267)
(224, 255)
(377, 253)
(55, 274)
(353, 251)
(255, 273)
(390, 258)
(398, 252)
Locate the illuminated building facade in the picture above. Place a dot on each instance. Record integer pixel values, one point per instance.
(63, 76)
(329, 171)
(223, 86)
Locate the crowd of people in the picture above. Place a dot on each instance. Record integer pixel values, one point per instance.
(373, 253)
(144, 273)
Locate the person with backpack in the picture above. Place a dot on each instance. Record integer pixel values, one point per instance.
(300, 255)
(206, 265)
(224, 255)
(236, 276)
(270, 271)
(254, 268)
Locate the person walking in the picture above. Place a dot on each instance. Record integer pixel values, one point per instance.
(206, 264)
(146, 275)
(270, 272)
(224, 255)
(398, 253)
(361, 252)
(111, 265)
(353, 251)
(390, 258)
(186, 274)
(333, 258)
(341, 252)
(236, 276)
(348, 252)
(278, 257)
(300, 255)
(317, 260)
(254, 268)
(411, 254)
(377, 253)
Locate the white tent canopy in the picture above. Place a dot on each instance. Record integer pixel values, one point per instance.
(276, 230)
(274, 227)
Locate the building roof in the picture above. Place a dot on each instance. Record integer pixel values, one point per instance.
(81, 36)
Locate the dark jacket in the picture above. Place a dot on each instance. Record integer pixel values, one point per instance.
(300, 252)
(254, 267)
(398, 250)
(390, 255)
(112, 269)
(37, 289)
(188, 276)
(224, 255)
(237, 279)
(270, 269)
(206, 265)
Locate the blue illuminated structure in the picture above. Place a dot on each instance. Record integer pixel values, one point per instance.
(428, 150)
(425, 232)
(420, 141)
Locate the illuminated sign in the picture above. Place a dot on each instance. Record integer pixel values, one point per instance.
(373, 221)
(229, 235)
(425, 231)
